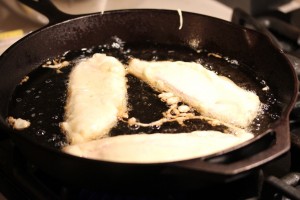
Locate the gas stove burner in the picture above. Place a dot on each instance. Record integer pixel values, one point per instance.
(254, 6)
(287, 187)
(286, 27)
(282, 28)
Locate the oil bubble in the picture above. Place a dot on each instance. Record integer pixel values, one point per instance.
(18, 100)
(59, 144)
(48, 81)
(156, 127)
(54, 124)
(55, 117)
(134, 127)
(154, 58)
(116, 45)
(54, 138)
(40, 132)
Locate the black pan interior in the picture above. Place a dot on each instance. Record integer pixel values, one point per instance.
(42, 98)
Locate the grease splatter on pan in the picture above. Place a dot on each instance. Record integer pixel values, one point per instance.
(41, 99)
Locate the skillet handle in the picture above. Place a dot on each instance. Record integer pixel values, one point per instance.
(240, 163)
(47, 8)
(240, 17)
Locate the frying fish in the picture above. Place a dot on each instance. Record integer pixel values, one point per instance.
(211, 95)
(97, 96)
(158, 147)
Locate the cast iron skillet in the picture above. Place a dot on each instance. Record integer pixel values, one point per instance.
(66, 32)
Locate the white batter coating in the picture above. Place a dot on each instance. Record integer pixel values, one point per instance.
(97, 97)
(211, 95)
(19, 123)
(158, 147)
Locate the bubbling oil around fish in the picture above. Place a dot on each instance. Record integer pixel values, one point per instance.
(51, 89)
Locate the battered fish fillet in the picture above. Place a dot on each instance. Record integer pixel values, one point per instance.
(158, 147)
(97, 96)
(212, 95)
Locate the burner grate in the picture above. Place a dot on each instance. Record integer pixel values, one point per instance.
(276, 25)
(285, 188)
(253, 7)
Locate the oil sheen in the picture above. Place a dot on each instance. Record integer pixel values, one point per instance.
(41, 99)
